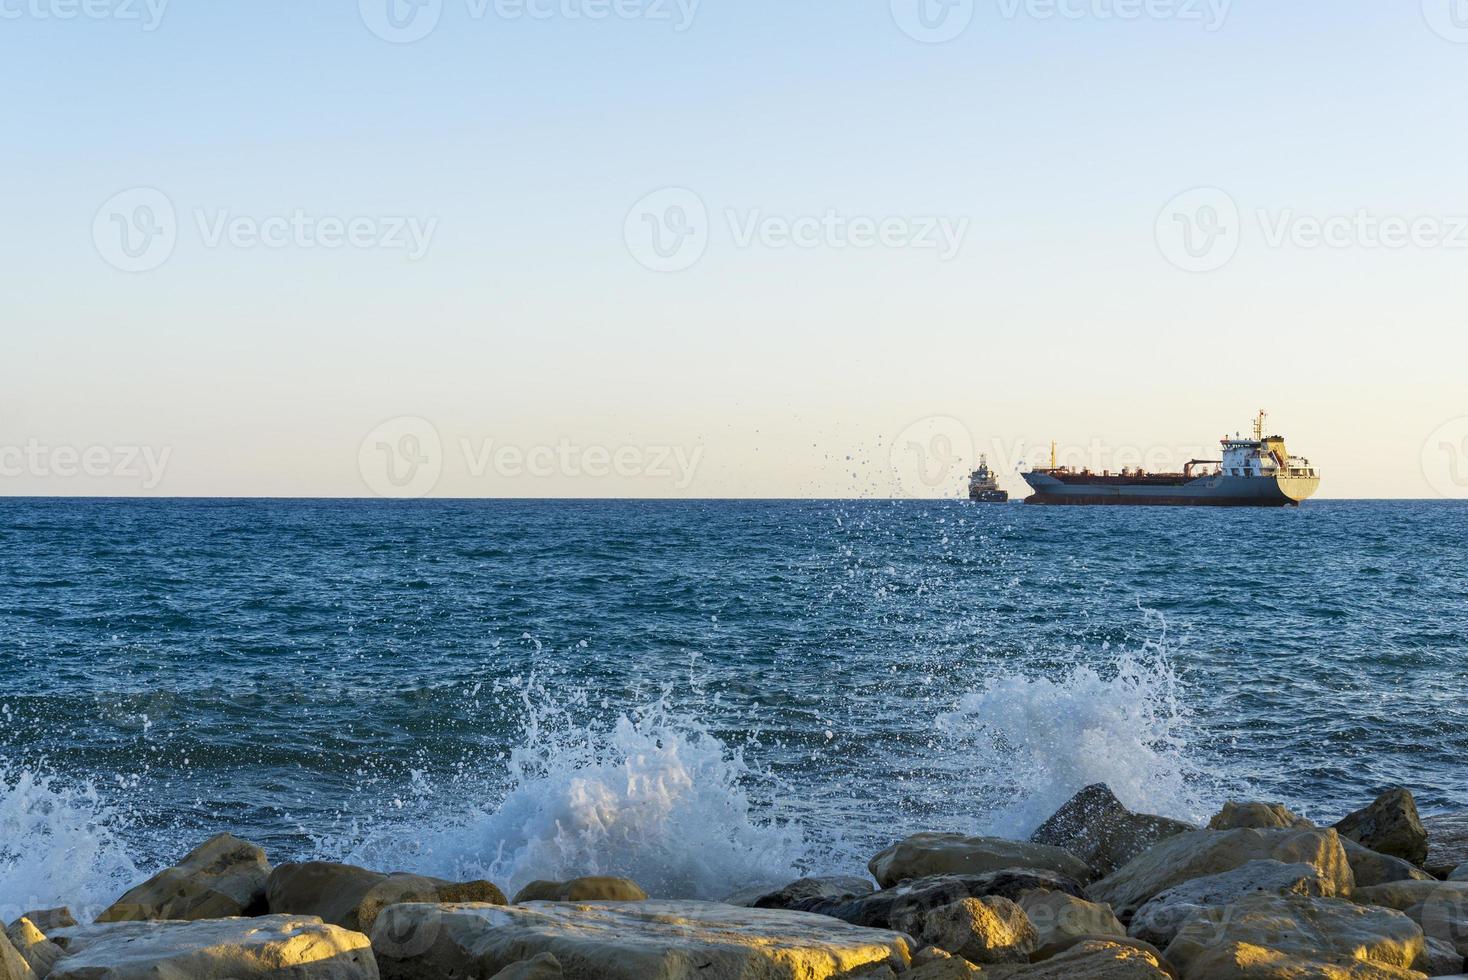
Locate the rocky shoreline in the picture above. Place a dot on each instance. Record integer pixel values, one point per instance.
(1098, 892)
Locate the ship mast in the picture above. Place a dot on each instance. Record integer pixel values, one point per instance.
(1259, 425)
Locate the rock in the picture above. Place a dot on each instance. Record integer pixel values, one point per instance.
(1098, 829)
(49, 920)
(1258, 816)
(352, 897)
(222, 877)
(271, 947)
(596, 889)
(1159, 920)
(1062, 920)
(1095, 959)
(943, 968)
(1443, 919)
(1389, 826)
(12, 965)
(982, 930)
(31, 943)
(542, 967)
(1402, 895)
(926, 855)
(836, 889)
(1447, 842)
(1460, 873)
(1439, 959)
(1278, 936)
(1209, 852)
(1369, 867)
(653, 940)
(903, 907)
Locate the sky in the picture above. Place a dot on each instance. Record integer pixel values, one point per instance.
(667, 248)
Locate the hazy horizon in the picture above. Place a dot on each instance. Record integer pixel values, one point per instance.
(669, 248)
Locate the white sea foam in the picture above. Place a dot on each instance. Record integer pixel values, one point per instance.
(1038, 740)
(60, 844)
(653, 796)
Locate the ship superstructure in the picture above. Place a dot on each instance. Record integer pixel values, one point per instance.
(983, 487)
(1257, 472)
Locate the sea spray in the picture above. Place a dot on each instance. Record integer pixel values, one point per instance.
(60, 844)
(1036, 741)
(652, 795)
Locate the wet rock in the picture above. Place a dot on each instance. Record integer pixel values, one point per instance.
(12, 965)
(926, 855)
(31, 943)
(48, 920)
(982, 930)
(1062, 920)
(1258, 816)
(1159, 920)
(653, 940)
(542, 967)
(834, 889)
(1209, 852)
(1095, 959)
(1447, 842)
(1098, 829)
(903, 906)
(222, 877)
(1390, 825)
(1402, 895)
(352, 897)
(266, 948)
(1439, 959)
(594, 889)
(1460, 873)
(1369, 867)
(1273, 936)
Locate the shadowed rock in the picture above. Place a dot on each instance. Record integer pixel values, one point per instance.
(837, 889)
(904, 906)
(1098, 829)
(352, 897)
(594, 889)
(925, 855)
(220, 878)
(1257, 816)
(1159, 920)
(1390, 825)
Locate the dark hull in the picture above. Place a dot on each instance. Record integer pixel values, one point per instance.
(1054, 488)
(1091, 500)
(989, 496)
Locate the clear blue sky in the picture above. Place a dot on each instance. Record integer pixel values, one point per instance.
(521, 148)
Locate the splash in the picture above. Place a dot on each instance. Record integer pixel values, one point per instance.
(59, 845)
(1036, 741)
(654, 797)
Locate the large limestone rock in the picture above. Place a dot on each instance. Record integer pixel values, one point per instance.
(12, 965)
(840, 888)
(274, 947)
(543, 967)
(982, 930)
(1402, 895)
(1257, 816)
(1098, 829)
(1094, 959)
(1062, 920)
(654, 940)
(1274, 936)
(936, 964)
(595, 889)
(1390, 826)
(352, 897)
(31, 943)
(1159, 920)
(1447, 842)
(222, 877)
(926, 855)
(48, 920)
(1210, 852)
(1370, 867)
(902, 907)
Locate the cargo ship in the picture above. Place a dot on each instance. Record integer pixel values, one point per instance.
(983, 488)
(1257, 472)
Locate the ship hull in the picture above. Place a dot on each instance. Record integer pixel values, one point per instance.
(1205, 491)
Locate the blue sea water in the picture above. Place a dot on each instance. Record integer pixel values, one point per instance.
(701, 695)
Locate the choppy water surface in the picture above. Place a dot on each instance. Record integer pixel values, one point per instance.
(699, 695)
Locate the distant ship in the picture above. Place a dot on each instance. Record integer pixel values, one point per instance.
(1257, 472)
(983, 488)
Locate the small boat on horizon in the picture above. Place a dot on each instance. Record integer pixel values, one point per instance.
(983, 488)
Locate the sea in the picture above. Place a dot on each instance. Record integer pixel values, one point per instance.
(698, 695)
